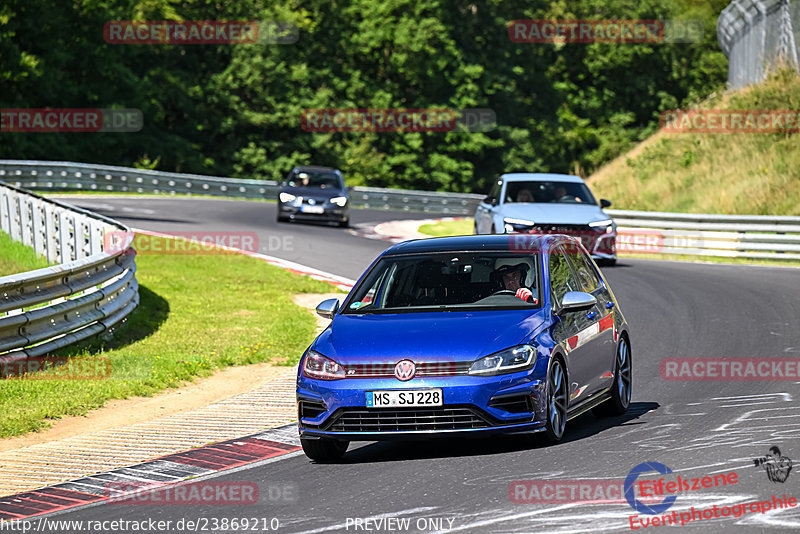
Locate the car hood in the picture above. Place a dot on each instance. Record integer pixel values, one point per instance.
(435, 336)
(555, 213)
(313, 192)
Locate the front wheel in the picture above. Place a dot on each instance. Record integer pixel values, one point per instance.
(621, 390)
(324, 450)
(556, 402)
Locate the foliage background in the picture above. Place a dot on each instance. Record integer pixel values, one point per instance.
(235, 110)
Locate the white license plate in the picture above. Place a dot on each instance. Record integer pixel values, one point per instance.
(312, 209)
(407, 397)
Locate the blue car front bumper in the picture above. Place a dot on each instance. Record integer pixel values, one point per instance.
(471, 405)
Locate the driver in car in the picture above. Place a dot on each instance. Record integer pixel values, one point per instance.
(512, 278)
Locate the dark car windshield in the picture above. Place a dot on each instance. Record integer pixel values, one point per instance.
(536, 191)
(446, 282)
(321, 180)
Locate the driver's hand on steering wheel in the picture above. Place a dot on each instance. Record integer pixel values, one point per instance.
(526, 294)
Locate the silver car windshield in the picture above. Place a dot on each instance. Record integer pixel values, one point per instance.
(447, 282)
(549, 192)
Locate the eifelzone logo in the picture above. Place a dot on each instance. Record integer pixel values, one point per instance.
(777, 466)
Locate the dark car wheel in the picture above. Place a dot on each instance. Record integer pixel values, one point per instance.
(556, 402)
(621, 390)
(324, 449)
(281, 218)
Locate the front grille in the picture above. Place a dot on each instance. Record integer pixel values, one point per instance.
(386, 370)
(406, 420)
(513, 403)
(569, 229)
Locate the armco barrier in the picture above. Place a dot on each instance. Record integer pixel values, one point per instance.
(66, 176)
(743, 236)
(88, 292)
(733, 236)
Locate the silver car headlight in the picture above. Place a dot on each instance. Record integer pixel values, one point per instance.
(286, 197)
(517, 225)
(339, 201)
(510, 360)
(607, 225)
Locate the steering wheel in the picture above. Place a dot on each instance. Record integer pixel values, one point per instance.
(504, 292)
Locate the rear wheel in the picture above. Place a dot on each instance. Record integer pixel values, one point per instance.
(621, 390)
(324, 449)
(556, 402)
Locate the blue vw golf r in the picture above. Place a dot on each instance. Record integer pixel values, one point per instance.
(465, 335)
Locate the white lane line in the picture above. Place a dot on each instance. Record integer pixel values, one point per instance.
(371, 519)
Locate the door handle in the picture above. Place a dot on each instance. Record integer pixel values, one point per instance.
(591, 315)
(609, 304)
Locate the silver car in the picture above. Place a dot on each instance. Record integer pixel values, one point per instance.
(533, 203)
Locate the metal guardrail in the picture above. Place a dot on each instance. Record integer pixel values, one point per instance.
(745, 236)
(756, 36)
(88, 292)
(733, 236)
(66, 176)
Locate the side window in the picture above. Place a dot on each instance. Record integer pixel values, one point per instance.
(561, 277)
(587, 276)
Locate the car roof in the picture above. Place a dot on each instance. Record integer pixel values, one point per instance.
(475, 243)
(313, 168)
(539, 177)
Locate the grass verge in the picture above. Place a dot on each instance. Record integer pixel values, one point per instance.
(448, 228)
(197, 314)
(18, 258)
(736, 173)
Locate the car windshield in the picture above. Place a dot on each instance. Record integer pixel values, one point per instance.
(446, 282)
(548, 192)
(321, 180)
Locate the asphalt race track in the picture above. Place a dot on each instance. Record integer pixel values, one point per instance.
(695, 428)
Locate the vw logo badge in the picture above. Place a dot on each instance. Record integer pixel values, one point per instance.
(405, 370)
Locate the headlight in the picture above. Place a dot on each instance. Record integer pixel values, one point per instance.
(517, 225)
(286, 197)
(506, 361)
(339, 201)
(606, 224)
(315, 365)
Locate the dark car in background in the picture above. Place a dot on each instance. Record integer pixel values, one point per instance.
(314, 194)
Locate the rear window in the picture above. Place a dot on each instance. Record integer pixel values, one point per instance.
(446, 282)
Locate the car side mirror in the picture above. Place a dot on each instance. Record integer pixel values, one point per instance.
(576, 301)
(328, 308)
(490, 200)
(605, 203)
